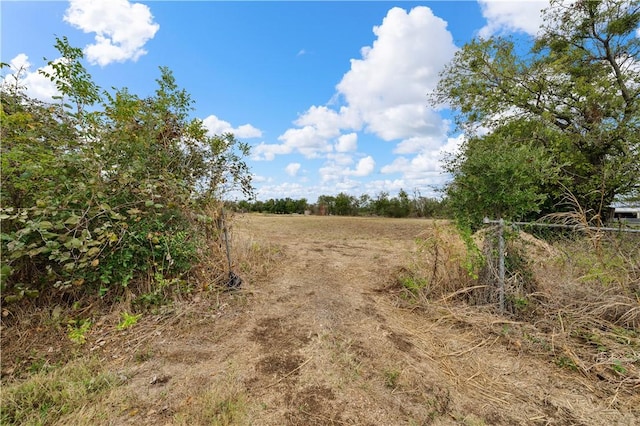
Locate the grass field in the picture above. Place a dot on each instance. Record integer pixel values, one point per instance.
(358, 321)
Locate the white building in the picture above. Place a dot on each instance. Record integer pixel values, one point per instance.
(624, 212)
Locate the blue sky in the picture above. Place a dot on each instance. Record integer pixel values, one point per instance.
(332, 96)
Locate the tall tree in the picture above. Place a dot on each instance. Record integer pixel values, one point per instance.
(344, 205)
(577, 86)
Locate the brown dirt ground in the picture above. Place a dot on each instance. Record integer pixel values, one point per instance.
(312, 340)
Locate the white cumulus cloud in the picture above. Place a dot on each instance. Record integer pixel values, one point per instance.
(261, 179)
(292, 169)
(419, 144)
(122, 28)
(294, 190)
(427, 164)
(337, 168)
(340, 158)
(216, 126)
(384, 92)
(511, 16)
(268, 152)
(317, 127)
(389, 84)
(364, 167)
(347, 143)
(307, 140)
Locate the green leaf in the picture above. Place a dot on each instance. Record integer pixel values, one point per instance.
(5, 272)
(45, 224)
(73, 243)
(36, 251)
(93, 251)
(72, 220)
(12, 298)
(31, 294)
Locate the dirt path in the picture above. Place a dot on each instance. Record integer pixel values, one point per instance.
(315, 342)
(325, 354)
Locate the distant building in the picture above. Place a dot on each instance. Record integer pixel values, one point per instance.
(624, 212)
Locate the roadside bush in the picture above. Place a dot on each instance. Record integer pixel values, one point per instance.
(108, 191)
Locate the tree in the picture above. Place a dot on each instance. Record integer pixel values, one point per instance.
(344, 205)
(380, 205)
(577, 88)
(364, 203)
(301, 205)
(500, 175)
(154, 137)
(404, 204)
(326, 203)
(428, 207)
(269, 205)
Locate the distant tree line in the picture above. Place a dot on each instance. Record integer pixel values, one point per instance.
(344, 204)
(276, 206)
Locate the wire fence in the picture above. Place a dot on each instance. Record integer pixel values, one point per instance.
(496, 254)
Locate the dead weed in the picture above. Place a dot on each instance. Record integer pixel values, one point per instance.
(566, 301)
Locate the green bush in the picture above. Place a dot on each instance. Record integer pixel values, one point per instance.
(95, 200)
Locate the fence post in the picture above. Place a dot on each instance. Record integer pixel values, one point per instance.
(501, 246)
(501, 265)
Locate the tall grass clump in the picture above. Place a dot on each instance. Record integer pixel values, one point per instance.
(574, 297)
(441, 266)
(48, 396)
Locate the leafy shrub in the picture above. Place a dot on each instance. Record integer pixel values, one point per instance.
(95, 200)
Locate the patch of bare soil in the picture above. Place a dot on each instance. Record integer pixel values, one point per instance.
(311, 340)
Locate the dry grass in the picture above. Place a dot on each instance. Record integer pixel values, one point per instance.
(594, 307)
(219, 403)
(566, 300)
(438, 269)
(256, 259)
(309, 340)
(49, 395)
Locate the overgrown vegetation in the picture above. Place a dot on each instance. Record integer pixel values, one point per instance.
(551, 132)
(573, 299)
(104, 191)
(107, 191)
(46, 397)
